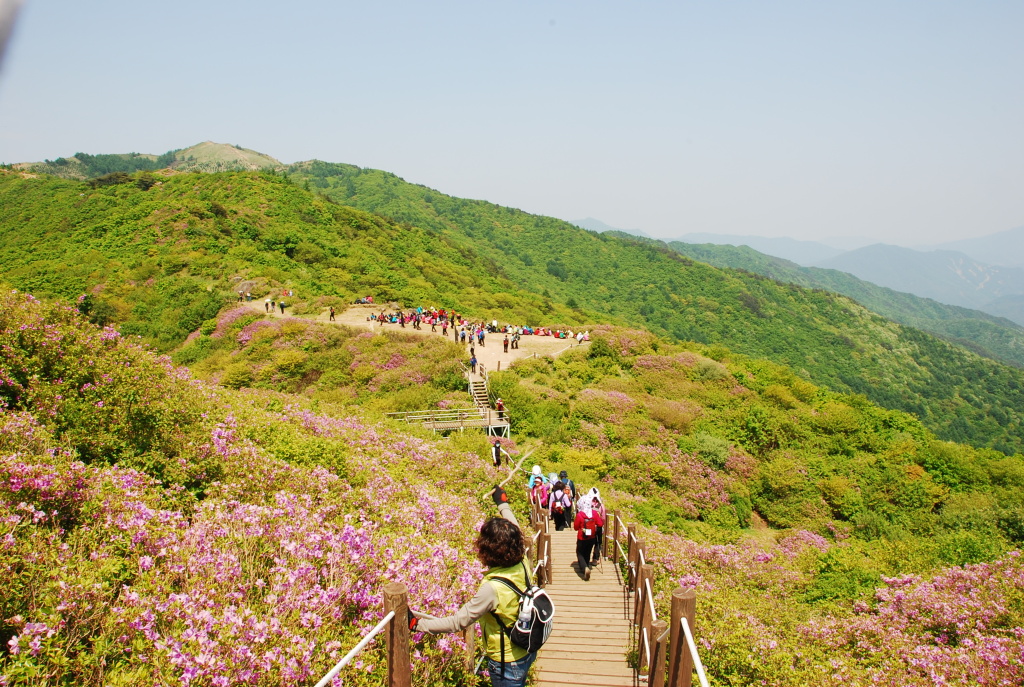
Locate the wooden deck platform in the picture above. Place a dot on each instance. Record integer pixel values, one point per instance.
(591, 635)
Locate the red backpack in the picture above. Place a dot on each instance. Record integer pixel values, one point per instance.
(589, 528)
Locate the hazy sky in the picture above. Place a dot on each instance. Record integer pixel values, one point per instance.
(900, 121)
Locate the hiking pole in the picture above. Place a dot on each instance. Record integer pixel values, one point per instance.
(511, 473)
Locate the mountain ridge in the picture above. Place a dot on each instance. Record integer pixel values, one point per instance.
(423, 247)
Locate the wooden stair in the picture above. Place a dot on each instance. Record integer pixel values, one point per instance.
(478, 390)
(591, 635)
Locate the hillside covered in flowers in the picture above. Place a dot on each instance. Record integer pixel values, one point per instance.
(237, 529)
(155, 529)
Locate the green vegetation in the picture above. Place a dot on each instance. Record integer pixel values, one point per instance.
(162, 258)
(382, 371)
(815, 525)
(159, 257)
(987, 335)
(826, 338)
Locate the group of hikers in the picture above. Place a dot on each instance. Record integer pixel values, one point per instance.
(464, 330)
(515, 616)
(586, 513)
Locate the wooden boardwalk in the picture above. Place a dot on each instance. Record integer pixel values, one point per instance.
(591, 634)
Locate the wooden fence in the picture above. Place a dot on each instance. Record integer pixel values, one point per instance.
(396, 606)
(666, 652)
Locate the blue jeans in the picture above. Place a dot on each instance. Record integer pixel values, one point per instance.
(515, 671)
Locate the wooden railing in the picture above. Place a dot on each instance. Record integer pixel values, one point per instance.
(454, 418)
(540, 544)
(654, 639)
(396, 606)
(396, 637)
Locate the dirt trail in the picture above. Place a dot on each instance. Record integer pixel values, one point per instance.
(490, 354)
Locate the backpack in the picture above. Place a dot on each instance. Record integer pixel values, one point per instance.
(536, 616)
(589, 528)
(559, 507)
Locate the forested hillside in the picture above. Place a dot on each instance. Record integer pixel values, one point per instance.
(985, 334)
(162, 253)
(827, 338)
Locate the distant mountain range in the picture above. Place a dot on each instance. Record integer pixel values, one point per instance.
(990, 335)
(202, 157)
(985, 273)
(597, 225)
(1005, 248)
(944, 275)
(801, 252)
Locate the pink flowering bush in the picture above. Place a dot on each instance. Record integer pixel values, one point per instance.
(963, 626)
(334, 363)
(113, 573)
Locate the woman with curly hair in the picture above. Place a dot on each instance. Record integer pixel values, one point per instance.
(501, 547)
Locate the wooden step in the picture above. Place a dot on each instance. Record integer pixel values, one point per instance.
(592, 624)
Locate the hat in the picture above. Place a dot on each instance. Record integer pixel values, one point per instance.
(536, 470)
(563, 473)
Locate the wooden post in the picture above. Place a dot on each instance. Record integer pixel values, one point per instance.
(469, 636)
(680, 665)
(641, 591)
(641, 615)
(630, 557)
(656, 673)
(610, 551)
(396, 598)
(549, 566)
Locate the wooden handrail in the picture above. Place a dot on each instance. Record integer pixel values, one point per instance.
(653, 638)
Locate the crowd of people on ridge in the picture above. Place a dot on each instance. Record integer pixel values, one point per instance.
(467, 331)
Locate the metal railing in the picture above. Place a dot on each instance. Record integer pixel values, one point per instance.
(666, 651)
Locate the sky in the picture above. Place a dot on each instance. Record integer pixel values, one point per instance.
(892, 121)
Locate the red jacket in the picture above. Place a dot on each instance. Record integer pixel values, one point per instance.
(577, 524)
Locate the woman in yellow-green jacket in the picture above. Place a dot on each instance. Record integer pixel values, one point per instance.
(501, 546)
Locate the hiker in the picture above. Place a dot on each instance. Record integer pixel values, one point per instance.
(588, 519)
(501, 547)
(535, 477)
(499, 405)
(266, 305)
(497, 450)
(558, 506)
(480, 336)
(538, 487)
(570, 487)
(592, 500)
(331, 319)
(280, 304)
(505, 343)
(472, 364)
